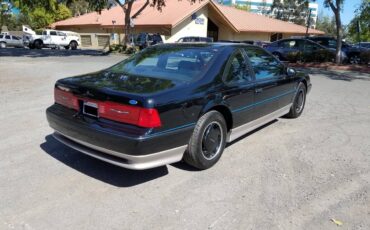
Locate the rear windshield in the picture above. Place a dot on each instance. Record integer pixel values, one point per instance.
(166, 62)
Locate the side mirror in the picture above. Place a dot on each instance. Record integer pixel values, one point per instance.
(290, 72)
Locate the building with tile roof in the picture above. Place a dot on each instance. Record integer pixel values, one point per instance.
(181, 18)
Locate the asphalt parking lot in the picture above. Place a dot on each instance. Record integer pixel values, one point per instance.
(290, 174)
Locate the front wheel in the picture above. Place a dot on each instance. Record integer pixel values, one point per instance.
(354, 59)
(208, 141)
(2, 45)
(298, 103)
(38, 44)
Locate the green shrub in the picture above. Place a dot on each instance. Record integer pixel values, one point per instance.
(131, 50)
(117, 48)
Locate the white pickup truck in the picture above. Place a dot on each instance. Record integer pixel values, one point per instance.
(51, 39)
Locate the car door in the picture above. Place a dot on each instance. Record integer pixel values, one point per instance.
(62, 39)
(54, 38)
(17, 41)
(238, 91)
(273, 89)
(291, 47)
(8, 40)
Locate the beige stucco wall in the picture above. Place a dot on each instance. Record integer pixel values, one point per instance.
(188, 27)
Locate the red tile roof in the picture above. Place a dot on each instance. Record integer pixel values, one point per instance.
(173, 13)
(176, 11)
(250, 22)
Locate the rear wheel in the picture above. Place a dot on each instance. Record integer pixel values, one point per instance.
(298, 103)
(208, 141)
(2, 45)
(73, 45)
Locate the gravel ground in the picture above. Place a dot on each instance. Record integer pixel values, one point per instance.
(290, 174)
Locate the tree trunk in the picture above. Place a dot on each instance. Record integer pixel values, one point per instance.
(336, 10)
(338, 58)
(127, 29)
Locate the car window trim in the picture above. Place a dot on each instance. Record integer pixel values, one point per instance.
(247, 65)
(269, 78)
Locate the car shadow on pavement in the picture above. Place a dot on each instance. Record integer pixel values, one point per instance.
(251, 132)
(35, 53)
(100, 170)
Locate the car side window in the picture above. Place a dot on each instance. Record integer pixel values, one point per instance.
(15, 38)
(61, 34)
(311, 47)
(7, 36)
(264, 65)
(237, 71)
(53, 33)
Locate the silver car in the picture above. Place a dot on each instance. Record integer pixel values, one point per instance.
(7, 40)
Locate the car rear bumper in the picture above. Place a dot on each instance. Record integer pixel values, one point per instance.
(121, 145)
(123, 160)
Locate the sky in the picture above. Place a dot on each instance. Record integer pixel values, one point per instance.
(348, 10)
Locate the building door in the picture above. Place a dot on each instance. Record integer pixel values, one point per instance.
(212, 30)
(276, 37)
(103, 40)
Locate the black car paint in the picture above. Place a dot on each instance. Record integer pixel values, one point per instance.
(180, 106)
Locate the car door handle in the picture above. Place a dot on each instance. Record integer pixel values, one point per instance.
(259, 90)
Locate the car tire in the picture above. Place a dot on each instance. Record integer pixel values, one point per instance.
(38, 44)
(2, 45)
(207, 142)
(66, 47)
(298, 102)
(354, 59)
(73, 45)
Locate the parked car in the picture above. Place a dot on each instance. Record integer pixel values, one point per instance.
(7, 40)
(195, 39)
(352, 52)
(365, 45)
(51, 39)
(262, 44)
(175, 101)
(144, 40)
(284, 49)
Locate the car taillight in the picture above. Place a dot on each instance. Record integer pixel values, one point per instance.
(149, 118)
(143, 117)
(66, 99)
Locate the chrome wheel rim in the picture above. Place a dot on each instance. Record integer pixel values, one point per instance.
(300, 100)
(212, 139)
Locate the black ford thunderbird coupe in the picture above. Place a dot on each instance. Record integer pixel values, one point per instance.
(174, 102)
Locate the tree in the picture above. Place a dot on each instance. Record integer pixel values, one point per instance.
(79, 7)
(127, 5)
(336, 7)
(245, 7)
(40, 17)
(326, 24)
(295, 11)
(360, 23)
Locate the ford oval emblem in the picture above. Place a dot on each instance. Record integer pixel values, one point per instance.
(133, 102)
